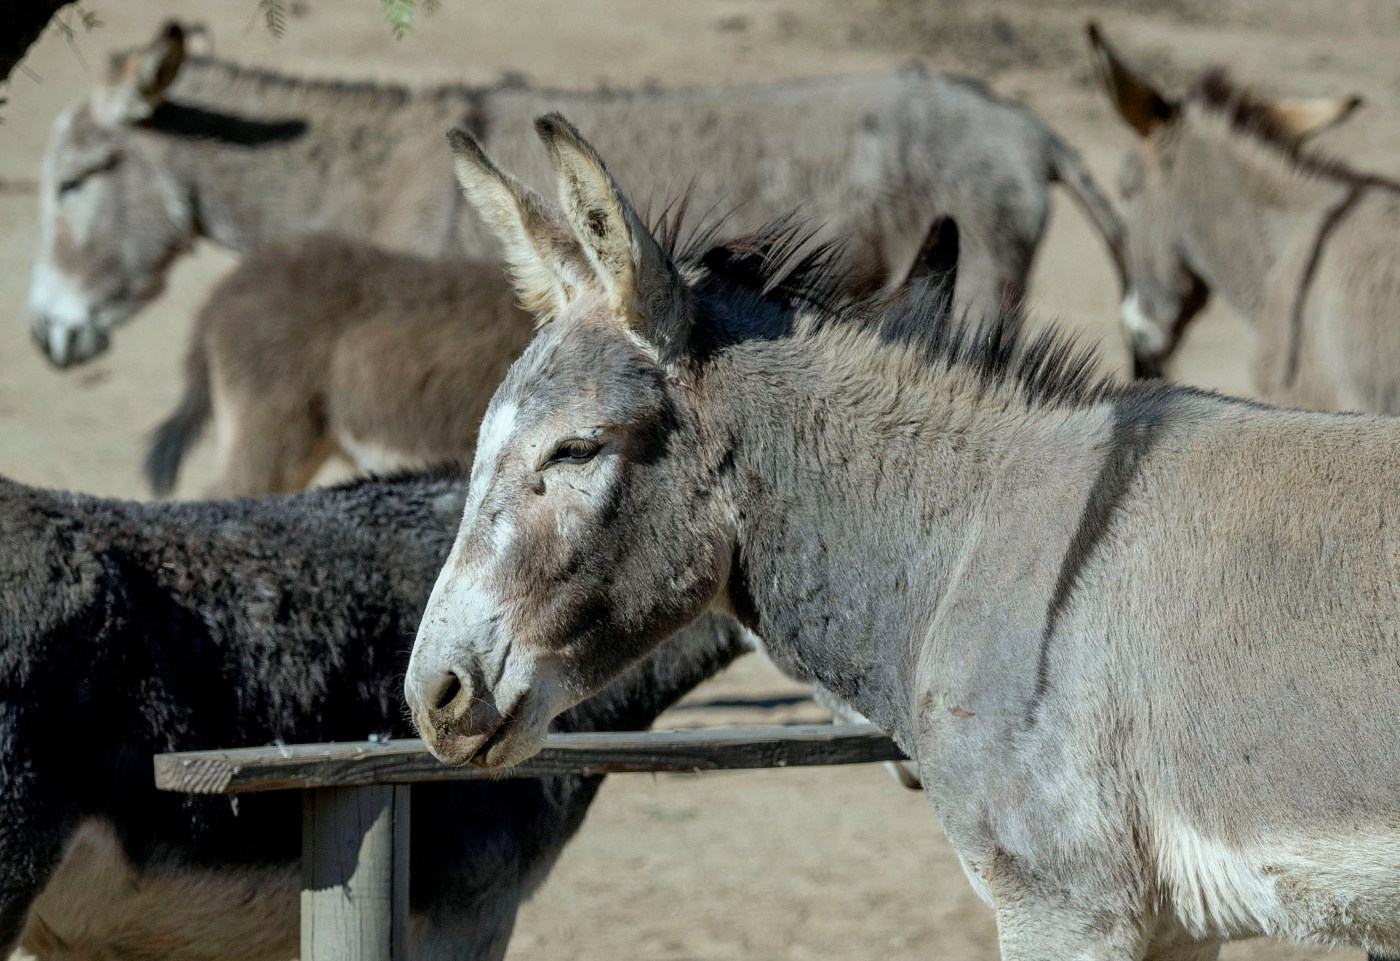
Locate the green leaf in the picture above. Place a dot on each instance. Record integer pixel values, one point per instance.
(399, 15)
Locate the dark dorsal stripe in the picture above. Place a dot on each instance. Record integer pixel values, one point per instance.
(1251, 116)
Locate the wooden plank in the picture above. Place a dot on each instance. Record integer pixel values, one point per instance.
(349, 764)
(354, 865)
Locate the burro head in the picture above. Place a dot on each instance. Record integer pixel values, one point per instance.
(111, 214)
(1163, 293)
(594, 528)
(1167, 282)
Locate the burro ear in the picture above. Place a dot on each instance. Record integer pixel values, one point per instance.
(938, 254)
(137, 80)
(643, 286)
(546, 263)
(1135, 99)
(1311, 116)
(936, 265)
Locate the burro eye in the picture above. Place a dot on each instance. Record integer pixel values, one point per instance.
(574, 450)
(70, 184)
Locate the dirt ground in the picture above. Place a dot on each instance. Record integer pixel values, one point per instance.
(835, 863)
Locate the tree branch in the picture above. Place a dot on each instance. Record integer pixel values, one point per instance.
(21, 22)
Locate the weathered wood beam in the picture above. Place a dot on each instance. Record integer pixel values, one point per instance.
(302, 766)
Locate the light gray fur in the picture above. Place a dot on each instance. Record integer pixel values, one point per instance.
(1141, 641)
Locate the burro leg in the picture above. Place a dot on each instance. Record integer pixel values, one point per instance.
(1042, 925)
(1039, 918)
(1173, 943)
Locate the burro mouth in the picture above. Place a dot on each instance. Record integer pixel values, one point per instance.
(487, 748)
(491, 752)
(66, 347)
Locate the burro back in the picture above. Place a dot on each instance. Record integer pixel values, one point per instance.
(1140, 640)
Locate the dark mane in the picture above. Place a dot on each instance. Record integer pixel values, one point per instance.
(780, 262)
(763, 280)
(1220, 94)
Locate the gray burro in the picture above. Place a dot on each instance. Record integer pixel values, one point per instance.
(1224, 192)
(1141, 640)
(168, 149)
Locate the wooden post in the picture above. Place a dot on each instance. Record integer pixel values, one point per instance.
(355, 820)
(354, 897)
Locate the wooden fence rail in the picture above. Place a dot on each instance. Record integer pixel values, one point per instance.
(353, 764)
(355, 824)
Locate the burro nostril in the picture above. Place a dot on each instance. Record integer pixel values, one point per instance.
(448, 689)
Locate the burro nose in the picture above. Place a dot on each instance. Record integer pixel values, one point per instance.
(1146, 367)
(55, 343)
(452, 684)
(453, 709)
(442, 697)
(445, 690)
(66, 346)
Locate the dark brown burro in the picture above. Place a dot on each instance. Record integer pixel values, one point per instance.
(132, 629)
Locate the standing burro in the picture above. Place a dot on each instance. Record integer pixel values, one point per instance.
(168, 149)
(1141, 641)
(1223, 191)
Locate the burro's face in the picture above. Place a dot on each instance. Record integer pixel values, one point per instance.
(1165, 289)
(578, 549)
(112, 216)
(1164, 294)
(111, 220)
(593, 528)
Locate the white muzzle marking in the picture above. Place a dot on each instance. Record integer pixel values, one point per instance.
(1146, 335)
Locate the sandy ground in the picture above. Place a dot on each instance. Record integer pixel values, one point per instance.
(835, 863)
